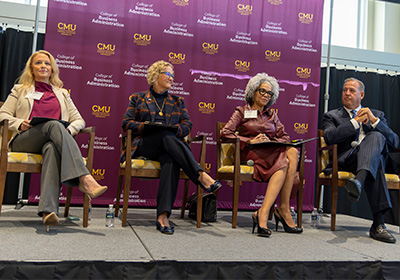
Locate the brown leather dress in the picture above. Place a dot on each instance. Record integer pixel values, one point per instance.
(267, 159)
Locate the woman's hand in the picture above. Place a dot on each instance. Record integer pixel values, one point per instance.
(259, 138)
(25, 125)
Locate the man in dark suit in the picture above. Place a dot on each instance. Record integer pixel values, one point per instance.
(363, 140)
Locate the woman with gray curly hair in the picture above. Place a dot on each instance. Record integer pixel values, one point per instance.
(157, 105)
(255, 123)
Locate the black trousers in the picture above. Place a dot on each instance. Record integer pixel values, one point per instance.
(173, 155)
(371, 155)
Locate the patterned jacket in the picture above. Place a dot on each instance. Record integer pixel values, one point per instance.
(142, 108)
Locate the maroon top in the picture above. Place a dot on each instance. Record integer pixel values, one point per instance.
(48, 105)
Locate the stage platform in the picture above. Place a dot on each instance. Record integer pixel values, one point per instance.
(214, 251)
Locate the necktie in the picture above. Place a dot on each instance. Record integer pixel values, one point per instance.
(354, 112)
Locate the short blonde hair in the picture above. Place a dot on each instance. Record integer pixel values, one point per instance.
(27, 78)
(155, 70)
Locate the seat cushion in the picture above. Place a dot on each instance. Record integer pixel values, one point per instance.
(14, 157)
(244, 169)
(143, 164)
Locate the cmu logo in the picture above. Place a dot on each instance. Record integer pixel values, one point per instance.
(141, 39)
(209, 48)
(181, 2)
(98, 174)
(306, 18)
(66, 29)
(303, 73)
(272, 56)
(300, 128)
(177, 58)
(242, 66)
(244, 10)
(101, 111)
(206, 108)
(207, 167)
(105, 49)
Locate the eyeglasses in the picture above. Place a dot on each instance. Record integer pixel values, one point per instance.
(169, 74)
(263, 92)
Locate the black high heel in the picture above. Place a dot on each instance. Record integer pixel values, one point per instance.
(264, 232)
(286, 227)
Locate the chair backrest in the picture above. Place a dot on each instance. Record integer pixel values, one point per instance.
(325, 154)
(225, 151)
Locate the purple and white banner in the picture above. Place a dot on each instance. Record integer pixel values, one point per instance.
(103, 49)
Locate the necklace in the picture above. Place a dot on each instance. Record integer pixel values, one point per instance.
(162, 108)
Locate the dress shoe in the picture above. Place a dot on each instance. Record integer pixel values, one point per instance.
(380, 233)
(50, 220)
(165, 230)
(263, 232)
(353, 188)
(93, 194)
(214, 187)
(286, 227)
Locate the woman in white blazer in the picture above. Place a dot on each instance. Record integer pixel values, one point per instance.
(39, 93)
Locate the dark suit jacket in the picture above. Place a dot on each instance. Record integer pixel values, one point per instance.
(142, 108)
(339, 130)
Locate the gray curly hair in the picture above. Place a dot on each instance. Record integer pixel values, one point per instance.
(255, 82)
(155, 69)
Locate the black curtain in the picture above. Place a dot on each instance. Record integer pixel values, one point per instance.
(15, 49)
(382, 92)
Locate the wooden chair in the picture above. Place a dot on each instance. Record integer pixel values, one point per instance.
(148, 169)
(339, 178)
(229, 168)
(32, 163)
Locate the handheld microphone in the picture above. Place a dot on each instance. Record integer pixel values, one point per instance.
(354, 144)
(250, 162)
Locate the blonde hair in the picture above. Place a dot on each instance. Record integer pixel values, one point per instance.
(27, 78)
(155, 70)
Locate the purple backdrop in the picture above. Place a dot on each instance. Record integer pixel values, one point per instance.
(104, 48)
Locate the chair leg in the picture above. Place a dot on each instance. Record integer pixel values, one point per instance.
(300, 206)
(271, 212)
(2, 187)
(68, 202)
(235, 202)
(398, 209)
(85, 210)
(199, 206)
(184, 199)
(126, 199)
(118, 197)
(334, 207)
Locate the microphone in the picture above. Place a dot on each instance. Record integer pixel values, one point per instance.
(250, 162)
(354, 144)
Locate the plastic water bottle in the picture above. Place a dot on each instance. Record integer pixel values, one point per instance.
(90, 211)
(110, 216)
(315, 218)
(293, 213)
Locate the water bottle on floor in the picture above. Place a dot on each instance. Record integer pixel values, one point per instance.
(90, 211)
(110, 216)
(293, 213)
(314, 218)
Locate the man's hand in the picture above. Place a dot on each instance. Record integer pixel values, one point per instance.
(258, 139)
(25, 125)
(364, 115)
